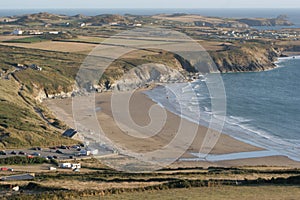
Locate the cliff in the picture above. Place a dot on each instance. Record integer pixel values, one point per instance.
(279, 21)
(246, 58)
(148, 74)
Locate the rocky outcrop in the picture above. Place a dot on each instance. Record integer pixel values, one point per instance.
(148, 74)
(42, 94)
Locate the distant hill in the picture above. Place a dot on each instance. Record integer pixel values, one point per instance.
(279, 21)
(106, 19)
(38, 17)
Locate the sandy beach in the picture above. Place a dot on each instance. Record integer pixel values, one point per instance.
(139, 109)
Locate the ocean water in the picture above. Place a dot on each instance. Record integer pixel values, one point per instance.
(263, 108)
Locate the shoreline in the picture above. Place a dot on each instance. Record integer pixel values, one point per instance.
(255, 153)
(226, 145)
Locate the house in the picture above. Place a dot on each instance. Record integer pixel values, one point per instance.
(70, 133)
(35, 32)
(53, 32)
(70, 165)
(137, 25)
(35, 67)
(114, 24)
(21, 66)
(65, 165)
(76, 166)
(17, 32)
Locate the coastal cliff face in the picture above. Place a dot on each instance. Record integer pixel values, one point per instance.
(279, 21)
(249, 57)
(246, 58)
(148, 74)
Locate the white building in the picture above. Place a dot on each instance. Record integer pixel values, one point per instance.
(65, 165)
(54, 32)
(17, 32)
(76, 166)
(70, 165)
(52, 168)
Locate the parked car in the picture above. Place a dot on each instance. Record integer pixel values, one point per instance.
(45, 157)
(3, 153)
(36, 154)
(22, 153)
(76, 147)
(13, 152)
(59, 151)
(55, 157)
(50, 157)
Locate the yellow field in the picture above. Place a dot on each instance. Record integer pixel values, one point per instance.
(75, 47)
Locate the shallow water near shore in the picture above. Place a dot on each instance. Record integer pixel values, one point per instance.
(263, 108)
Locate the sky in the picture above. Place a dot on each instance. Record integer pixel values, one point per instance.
(27, 4)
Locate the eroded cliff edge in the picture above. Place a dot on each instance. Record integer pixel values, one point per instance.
(246, 58)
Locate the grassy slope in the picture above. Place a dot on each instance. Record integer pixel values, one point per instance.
(20, 125)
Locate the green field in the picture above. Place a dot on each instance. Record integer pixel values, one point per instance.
(34, 39)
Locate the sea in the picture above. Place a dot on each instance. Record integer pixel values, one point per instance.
(262, 108)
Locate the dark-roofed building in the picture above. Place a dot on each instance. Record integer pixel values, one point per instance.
(70, 133)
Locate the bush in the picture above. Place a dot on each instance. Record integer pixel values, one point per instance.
(18, 160)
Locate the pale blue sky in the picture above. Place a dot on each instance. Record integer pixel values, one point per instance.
(19, 4)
